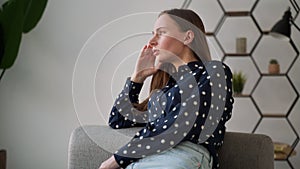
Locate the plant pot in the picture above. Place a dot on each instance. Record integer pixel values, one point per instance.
(238, 91)
(238, 87)
(274, 68)
(237, 94)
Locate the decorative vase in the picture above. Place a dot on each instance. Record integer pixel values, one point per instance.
(274, 68)
(241, 45)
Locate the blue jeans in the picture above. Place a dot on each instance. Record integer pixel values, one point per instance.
(186, 155)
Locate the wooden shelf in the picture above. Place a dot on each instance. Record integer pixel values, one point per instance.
(265, 32)
(267, 74)
(237, 54)
(282, 156)
(237, 13)
(274, 115)
(209, 33)
(241, 95)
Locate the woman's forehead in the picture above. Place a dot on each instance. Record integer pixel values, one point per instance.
(165, 21)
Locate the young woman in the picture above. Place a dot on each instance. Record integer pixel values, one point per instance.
(190, 100)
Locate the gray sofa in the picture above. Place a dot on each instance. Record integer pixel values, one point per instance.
(91, 145)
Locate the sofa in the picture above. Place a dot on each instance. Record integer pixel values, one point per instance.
(90, 145)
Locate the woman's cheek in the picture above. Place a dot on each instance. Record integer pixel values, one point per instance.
(168, 43)
(168, 49)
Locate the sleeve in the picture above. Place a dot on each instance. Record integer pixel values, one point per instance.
(123, 114)
(183, 121)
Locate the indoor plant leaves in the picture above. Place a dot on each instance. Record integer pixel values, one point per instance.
(11, 19)
(33, 12)
(17, 16)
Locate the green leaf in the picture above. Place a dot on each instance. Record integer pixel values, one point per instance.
(1, 41)
(11, 20)
(238, 81)
(33, 11)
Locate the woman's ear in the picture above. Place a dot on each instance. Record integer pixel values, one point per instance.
(189, 37)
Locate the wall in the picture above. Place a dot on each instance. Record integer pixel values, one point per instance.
(70, 68)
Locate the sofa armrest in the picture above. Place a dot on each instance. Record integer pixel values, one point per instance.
(246, 151)
(89, 146)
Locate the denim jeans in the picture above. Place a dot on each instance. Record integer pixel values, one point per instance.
(186, 155)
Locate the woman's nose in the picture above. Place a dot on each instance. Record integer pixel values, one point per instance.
(153, 41)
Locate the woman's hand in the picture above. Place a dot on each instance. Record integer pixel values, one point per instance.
(110, 164)
(145, 65)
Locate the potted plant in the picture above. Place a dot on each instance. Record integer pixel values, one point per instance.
(16, 17)
(274, 67)
(238, 82)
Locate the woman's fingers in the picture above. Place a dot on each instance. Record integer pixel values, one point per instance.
(145, 65)
(147, 51)
(146, 59)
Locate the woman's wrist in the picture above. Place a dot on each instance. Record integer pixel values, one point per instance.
(137, 79)
(110, 163)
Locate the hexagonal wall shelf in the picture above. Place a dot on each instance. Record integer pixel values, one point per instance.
(266, 94)
(295, 161)
(246, 65)
(254, 19)
(271, 48)
(268, 12)
(241, 5)
(244, 116)
(294, 74)
(281, 165)
(278, 129)
(294, 116)
(295, 33)
(203, 8)
(215, 50)
(247, 29)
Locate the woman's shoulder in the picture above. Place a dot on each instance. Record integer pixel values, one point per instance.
(215, 66)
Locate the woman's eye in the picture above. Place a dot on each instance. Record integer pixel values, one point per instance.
(161, 33)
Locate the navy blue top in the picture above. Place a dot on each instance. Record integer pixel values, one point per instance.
(193, 106)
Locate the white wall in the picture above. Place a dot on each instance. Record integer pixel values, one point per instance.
(65, 50)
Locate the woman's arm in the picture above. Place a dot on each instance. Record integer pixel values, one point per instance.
(123, 114)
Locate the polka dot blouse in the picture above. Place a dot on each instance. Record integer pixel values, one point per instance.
(193, 106)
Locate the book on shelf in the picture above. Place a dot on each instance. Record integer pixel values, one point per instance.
(282, 150)
(282, 156)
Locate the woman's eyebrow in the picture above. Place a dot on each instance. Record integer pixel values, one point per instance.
(158, 29)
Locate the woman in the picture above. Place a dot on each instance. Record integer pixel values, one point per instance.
(190, 100)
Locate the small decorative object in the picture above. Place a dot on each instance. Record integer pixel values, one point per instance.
(238, 82)
(274, 67)
(241, 45)
(282, 151)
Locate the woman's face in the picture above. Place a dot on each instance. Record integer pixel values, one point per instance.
(167, 40)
